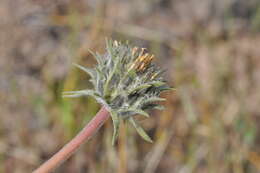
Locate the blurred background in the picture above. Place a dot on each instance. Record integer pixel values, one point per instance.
(210, 49)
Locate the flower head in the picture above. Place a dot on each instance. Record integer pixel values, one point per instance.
(126, 82)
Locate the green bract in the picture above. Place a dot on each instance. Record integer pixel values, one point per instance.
(126, 82)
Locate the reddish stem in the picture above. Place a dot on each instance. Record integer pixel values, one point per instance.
(75, 143)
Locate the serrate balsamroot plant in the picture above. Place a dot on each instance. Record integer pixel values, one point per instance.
(126, 82)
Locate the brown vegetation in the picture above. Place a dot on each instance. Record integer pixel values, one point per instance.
(210, 49)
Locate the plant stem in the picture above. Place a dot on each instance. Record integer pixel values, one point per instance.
(75, 143)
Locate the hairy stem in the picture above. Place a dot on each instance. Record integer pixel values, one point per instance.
(75, 143)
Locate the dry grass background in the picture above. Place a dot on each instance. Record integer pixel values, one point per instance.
(210, 48)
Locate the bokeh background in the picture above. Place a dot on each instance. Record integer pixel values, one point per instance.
(210, 48)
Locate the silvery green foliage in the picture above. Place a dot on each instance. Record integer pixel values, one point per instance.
(126, 82)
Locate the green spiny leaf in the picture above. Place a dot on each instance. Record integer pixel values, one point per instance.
(78, 93)
(158, 107)
(140, 87)
(165, 88)
(157, 83)
(89, 71)
(140, 111)
(109, 47)
(115, 120)
(152, 106)
(140, 130)
(133, 111)
(153, 99)
(98, 57)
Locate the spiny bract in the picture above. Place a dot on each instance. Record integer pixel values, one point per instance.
(126, 82)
